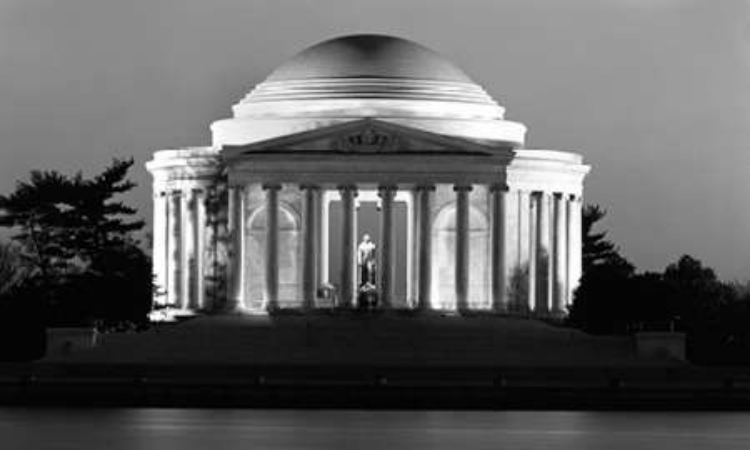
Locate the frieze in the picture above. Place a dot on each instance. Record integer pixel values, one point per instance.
(368, 140)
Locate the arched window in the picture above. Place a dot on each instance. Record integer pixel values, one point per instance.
(289, 257)
(444, 259)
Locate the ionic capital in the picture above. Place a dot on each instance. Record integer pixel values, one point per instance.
(499, 187)
(309, 187)
(387, 191)
(348, 188)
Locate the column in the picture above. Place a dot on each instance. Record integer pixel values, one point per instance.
(271, 285)
(499, 266)
(175, 251)
(413, 251)
(310, 246)
(424, 273)
(543, 255)
(324, 231)
(188, 250)
(348, 290)
(159, 246)
(387, 247)
(236, 298)
(560, 254)
(462, 247)
(320, 240)
(199, 229)
(575, 245)
(526, 238)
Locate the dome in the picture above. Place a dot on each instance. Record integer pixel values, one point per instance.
(367, 76)
(369, 55)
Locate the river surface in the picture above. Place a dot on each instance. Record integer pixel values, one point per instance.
(212, 429)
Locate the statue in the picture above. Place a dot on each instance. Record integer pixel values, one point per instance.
(367, 295)
(366, 261)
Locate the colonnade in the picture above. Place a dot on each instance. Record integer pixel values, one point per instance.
(534, 235)
(179, 241)
(554, 251)
(546, 232)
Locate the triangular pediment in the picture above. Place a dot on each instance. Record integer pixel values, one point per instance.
(366, 136)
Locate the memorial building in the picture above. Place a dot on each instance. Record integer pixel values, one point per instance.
(367, 135)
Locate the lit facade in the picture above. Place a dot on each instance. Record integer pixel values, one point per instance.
(469, 219)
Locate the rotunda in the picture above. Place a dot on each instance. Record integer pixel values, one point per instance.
(268, 216)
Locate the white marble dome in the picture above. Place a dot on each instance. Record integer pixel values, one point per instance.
(367, 76)
(368, 55)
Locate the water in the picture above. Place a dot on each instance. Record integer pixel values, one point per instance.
(187, 429)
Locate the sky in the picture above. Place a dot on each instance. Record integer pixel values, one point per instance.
(654, 93)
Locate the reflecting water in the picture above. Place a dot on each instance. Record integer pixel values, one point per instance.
(186, 429)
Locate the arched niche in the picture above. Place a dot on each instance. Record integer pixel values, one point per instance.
(444, 259)
(289, 258)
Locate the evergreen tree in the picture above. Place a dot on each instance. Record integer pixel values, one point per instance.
(79, 238)
(37, 210)
(13, 269)
(597, 250)
(602, 299)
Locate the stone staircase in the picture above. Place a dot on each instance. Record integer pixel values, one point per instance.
(362, 339)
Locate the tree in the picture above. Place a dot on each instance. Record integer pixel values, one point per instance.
(687, 296)
(98, 221)
(79, 238)
(597, 250)
(22, 321)
(37, 210)
(13, 269)
(601, 301)
(699, 294)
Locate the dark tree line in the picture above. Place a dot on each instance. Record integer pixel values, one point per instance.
(74, 246)
(613, 298)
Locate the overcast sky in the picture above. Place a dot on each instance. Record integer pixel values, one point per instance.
(654, 93)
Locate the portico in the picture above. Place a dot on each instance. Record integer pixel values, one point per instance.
(245, 225)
